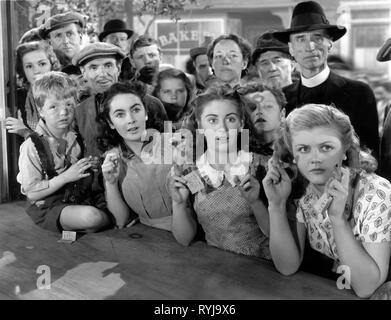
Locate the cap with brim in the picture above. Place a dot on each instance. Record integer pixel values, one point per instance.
(309, 16)
(30, 35)
(113, 26)
(384, 53)
(60, 20)
(97, 50)
(267, 42)
(195, 52)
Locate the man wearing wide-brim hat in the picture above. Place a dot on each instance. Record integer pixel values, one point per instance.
(273, 62)
(64, 32)
(310, 39)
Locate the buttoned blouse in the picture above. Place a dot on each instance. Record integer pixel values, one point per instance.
(370, 213)
(144, 185)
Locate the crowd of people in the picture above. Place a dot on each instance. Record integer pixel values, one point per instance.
(286, 166)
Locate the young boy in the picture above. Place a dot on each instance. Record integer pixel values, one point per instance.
(53, 175)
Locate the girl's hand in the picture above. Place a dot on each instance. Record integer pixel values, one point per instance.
(277, 184)
(15, 125)
(111, 168)
(339, 190)
(94, 163)
(178, 189)
(249, 188)
(76, 171)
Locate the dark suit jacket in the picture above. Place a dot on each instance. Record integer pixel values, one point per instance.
(385, 150)
(355, 98)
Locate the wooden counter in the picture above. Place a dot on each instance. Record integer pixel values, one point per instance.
(137, 263)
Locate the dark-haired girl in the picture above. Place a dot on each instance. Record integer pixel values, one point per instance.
(135, 181)
(227, 206)
(175, 91)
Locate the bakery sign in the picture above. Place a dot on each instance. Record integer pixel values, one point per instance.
(186, 34)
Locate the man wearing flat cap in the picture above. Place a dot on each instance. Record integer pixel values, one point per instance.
(202, 67)
(117, 33)
(310, 39)
(273, 62)
(64, 32)
(100, 64)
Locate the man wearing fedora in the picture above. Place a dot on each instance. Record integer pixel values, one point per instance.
(117, 33)
(310, 39)
(64, 32)
(273, 62)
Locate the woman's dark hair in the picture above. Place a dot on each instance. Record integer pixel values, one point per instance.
(219, 92)
(27, 47)
(172, 73)
(109, 138)
(244, 45)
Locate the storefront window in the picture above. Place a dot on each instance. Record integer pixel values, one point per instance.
(176, 39)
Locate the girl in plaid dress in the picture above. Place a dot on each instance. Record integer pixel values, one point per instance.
(226, 203)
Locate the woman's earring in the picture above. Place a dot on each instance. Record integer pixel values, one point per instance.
(294, 161)
(345, 157)
(146, 118)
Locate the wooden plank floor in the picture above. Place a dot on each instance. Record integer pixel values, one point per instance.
(116, 265)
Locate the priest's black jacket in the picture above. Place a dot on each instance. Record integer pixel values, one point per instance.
(355, 98)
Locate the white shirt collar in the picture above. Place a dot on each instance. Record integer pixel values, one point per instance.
(215, 177)
(316, 80)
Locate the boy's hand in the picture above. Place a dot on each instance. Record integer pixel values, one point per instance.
(76, 171)
(110, 168)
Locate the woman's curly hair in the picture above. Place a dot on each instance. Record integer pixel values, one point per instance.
(219, 92)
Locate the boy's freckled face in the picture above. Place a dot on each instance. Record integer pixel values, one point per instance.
(58, 113)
